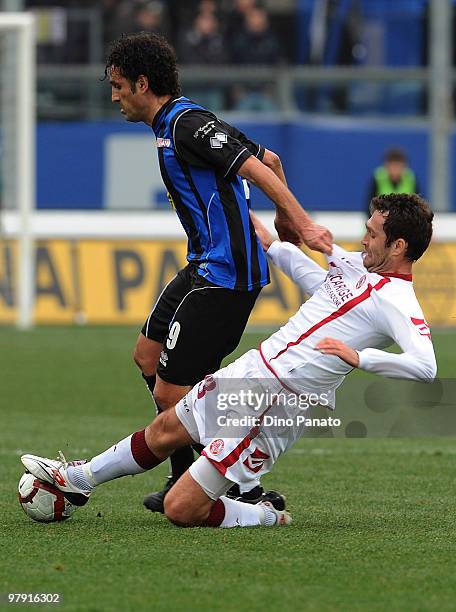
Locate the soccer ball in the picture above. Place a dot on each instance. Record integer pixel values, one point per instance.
(42, 501)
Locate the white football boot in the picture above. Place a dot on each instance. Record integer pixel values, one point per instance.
(282, 516)
(56, 473)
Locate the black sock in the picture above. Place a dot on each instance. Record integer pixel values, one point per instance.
(150, 382)
(181, 460)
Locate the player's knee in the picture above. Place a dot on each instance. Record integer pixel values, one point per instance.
(182, 513)
(137, 357)
(162, 435)
(144, 361)
(157, 435)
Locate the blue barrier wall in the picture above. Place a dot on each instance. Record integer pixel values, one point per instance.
(328, 163)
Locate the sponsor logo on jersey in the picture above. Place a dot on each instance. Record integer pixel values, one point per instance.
(218, 140)
(255, 461)
(361, 281)
(335, 286)
(163, 142)
(422, 326)
(204, 129)
(216, 446)
(164, 358)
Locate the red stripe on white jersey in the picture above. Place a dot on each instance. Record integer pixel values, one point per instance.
(271, 369)
(334, 315)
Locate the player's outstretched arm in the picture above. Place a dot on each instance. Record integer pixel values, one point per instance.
(290, 259)
(416, 362)
(404, 323)
(293, 224)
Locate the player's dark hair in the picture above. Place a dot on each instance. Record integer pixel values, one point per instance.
(395, 155)
(147, 54)
(409, 217)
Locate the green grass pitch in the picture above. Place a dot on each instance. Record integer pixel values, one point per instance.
(374, 519)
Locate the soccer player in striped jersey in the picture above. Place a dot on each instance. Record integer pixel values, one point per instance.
(203, 161)
(361, 304)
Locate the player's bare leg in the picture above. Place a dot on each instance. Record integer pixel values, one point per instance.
(189, 505)
(146, 355)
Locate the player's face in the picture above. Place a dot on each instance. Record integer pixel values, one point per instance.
(122, 94)
(375, 254)
(395, 170)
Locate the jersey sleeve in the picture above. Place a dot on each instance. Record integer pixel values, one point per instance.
(202, 140)
(303, 270)
(255, 149)
(412, 334)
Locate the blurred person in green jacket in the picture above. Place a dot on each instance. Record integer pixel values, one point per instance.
(394, 176)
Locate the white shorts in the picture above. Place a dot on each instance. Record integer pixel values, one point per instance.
(237, 442)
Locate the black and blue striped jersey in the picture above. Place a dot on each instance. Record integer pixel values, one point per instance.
(199, 157)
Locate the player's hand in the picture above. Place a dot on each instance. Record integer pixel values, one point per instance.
(265, 237)
(318, 238)
(331, 346)
(297, 231)
(287, 230)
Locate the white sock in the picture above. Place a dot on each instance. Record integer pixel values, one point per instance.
(115, 462)
(247, 487)
(239, 514)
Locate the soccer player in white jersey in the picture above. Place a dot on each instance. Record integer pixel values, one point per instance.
(363, 303)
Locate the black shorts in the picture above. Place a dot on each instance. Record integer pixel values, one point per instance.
(198, 324)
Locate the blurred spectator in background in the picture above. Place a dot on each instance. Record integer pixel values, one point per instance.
(208, 6)
(394, 176)
(203, 43)
(183, 15)
(124, 17)
(255, 42)
(148, 16)
(234, 15)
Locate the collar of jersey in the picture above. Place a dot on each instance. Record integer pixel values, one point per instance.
(406, 277)
(162, 111)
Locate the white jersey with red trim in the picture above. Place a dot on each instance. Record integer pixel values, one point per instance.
(363, 309)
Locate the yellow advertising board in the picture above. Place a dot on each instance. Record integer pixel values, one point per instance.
(118, 282)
